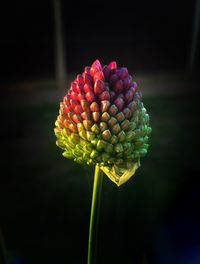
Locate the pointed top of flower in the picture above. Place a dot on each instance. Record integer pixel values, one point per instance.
(102, 121)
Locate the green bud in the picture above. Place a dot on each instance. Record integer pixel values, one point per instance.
(90, 135)
(125, 125)
(103, 126)
(122, 136)
(114, 139)
(118, 147)
(95, 129)
(101, 144)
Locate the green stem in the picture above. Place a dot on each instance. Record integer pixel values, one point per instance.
(94, 215)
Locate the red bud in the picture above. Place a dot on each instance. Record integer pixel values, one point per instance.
(99, 76)
(90, 97)
(79, 79)
(99, 87)
(87, 87)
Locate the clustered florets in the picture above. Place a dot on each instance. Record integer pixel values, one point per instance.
(103, 121)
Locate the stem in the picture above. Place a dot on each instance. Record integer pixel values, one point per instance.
(94, 214)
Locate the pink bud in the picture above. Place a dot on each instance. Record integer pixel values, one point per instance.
(112, 65)
(99, 87)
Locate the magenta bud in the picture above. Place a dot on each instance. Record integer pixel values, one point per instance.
(112, 65)
(94, 107)
(119, 102)
(99, 87)
(113, 79)
(90, 97)
(123, 73)
(74, 87)
(129, 96)
(118, 86)
(127, 82)
(106, 72)
(104, 96)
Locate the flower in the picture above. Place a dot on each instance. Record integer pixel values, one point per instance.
(102, 121)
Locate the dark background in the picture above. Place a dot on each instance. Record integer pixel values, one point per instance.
(44, 198)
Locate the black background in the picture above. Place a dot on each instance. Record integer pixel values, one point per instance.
(45, 199)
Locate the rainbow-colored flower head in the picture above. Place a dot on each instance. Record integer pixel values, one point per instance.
(102, 121)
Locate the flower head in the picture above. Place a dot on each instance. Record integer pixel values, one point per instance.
(102, 121)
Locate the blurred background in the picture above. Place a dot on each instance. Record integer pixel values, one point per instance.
(45, 198)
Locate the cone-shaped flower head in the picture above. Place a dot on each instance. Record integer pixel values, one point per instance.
(103, 121)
